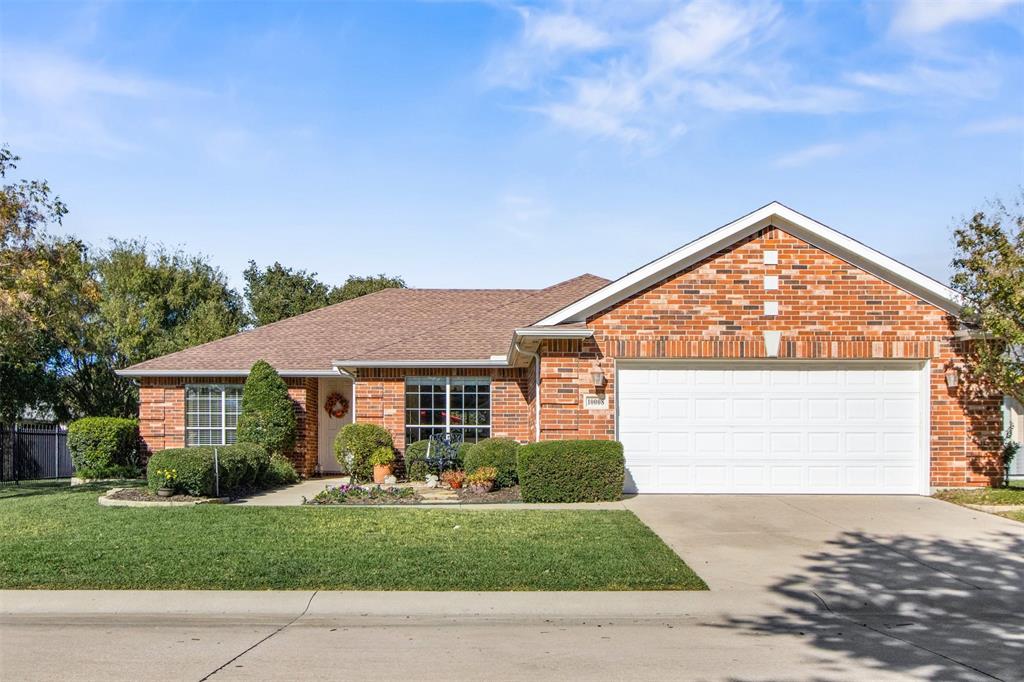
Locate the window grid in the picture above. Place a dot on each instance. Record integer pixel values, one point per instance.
(211, 414)
(446, 404)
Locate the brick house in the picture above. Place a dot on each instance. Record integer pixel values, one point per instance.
(773, 354)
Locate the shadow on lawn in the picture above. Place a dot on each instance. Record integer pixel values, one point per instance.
(10, 491)
(945, 609)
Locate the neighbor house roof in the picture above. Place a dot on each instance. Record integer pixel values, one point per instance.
(419, 326)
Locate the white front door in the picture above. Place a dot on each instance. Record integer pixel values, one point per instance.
(328, 425)
(781, 427)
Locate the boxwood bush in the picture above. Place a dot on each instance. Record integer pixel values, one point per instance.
(571, 471)
(416, 460)
(355, 443)
(242, 465)
(499, 453)
(104, 447)
(280, 471)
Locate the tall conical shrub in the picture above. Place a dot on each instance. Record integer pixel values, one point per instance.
(268, 415)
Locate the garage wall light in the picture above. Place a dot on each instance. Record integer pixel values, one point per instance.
(952, 377)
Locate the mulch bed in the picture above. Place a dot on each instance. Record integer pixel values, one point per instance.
(143, 495)
(500, 495)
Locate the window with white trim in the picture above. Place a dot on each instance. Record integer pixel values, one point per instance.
(446, 404)
(211, 413)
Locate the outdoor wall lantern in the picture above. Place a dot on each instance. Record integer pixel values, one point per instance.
(597, 376)
(952, 377)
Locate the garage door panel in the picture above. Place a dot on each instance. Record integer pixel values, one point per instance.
(797, 430)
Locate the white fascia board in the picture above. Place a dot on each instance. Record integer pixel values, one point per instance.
(496, 361)
(774, 213)
(554, 333)
(220, 372)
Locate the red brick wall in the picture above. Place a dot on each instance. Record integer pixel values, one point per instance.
(828, 309)
(380, 399)
(162, 415)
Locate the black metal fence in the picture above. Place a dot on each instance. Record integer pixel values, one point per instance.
(34, 451)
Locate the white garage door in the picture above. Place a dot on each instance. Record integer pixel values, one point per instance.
(773, 428)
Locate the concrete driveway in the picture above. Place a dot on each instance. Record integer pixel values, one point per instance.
(924, 575)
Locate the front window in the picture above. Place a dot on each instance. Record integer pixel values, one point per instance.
(211, 414)
(445, 404)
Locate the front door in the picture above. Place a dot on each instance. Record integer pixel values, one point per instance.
(330, 425)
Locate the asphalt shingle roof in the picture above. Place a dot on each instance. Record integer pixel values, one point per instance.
(393, 324)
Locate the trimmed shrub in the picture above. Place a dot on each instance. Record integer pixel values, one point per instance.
(571, 471)
(241, 466)
(280, 471)
(498, 453)
(355, 443)
(416, 460)
(382, 456)
(194, 467)
(268, 414)
(104, 447)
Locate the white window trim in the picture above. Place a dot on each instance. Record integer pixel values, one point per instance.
(223, 413)
(448, 404)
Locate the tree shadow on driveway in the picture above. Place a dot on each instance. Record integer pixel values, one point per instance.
(932, 607)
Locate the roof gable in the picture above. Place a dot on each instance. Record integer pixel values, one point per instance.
(777, 215)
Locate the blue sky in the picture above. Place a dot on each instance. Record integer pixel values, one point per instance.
(510, 145)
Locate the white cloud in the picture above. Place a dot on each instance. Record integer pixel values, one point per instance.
(807, 155)
(695, 35)
(972, 82)
(916, 17)
(48, 77)
(561, 32)
(995, 126)
(635, 79)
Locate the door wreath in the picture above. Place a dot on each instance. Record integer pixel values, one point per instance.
(336, 405)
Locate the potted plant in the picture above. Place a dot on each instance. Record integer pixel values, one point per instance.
(383, 461)
(453, 478)
(482, 480)
(167, 481)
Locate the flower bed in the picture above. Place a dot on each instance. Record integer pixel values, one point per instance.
(356, 494)
(510, 494)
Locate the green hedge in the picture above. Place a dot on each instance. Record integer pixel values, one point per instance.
(499, 453)
(242, 465)
(571, 471)
(103, 447)
(355, 443)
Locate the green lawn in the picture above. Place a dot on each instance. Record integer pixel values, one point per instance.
(53, 536)
(1014, 494)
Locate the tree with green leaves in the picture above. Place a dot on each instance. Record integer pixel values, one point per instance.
(356, 286)
(268, 414)
(276, 292)
(152, 301)
(47, 293)
(989, 275)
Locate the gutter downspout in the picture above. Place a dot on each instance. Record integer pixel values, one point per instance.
(536, 388)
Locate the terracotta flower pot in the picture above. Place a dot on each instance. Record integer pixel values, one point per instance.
(380, 472)
(455, 485)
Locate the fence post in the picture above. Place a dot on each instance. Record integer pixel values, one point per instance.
(14, 451)
(56, 451)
